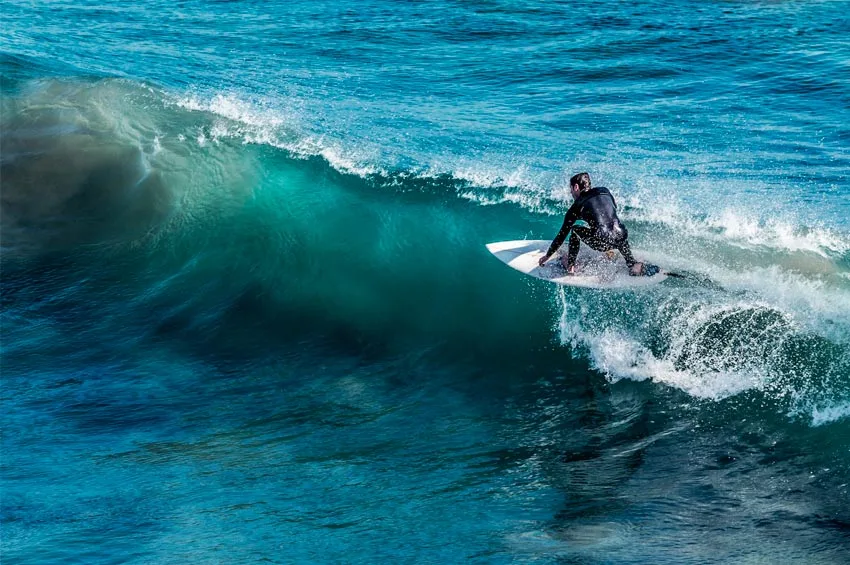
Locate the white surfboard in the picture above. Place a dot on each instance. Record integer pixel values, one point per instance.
(593, 269)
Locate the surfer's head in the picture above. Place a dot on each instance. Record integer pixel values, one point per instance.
(579, 183)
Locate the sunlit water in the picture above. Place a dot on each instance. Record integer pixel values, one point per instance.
(248, 314)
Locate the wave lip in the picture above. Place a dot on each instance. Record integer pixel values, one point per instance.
(490, 180)
(255, 124)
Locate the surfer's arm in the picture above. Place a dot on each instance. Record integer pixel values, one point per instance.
(569, 220)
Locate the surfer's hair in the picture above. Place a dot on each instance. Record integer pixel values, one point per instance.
(582, 180)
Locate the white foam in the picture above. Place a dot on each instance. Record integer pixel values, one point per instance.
(729, 225)
(620, 357)
(735, 227)
(831, 413)
(728, 370)
(714, 343)
(489, 177)
(259, 125)
(522, 199)
(345, 162)
(233, 108)
(804, 298)
(495, 182)
(779, 234)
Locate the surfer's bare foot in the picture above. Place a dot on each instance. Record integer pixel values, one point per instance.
(636, 270)
(611, 254)
(571, 269)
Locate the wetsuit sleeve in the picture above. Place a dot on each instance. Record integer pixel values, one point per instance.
(569, 219)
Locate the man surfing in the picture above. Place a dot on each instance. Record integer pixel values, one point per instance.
(604, 231)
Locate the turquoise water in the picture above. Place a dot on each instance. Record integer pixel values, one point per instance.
(248, 314)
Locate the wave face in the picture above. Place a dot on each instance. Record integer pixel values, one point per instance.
(250, 286)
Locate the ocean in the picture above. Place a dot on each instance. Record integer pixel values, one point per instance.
(249, 316)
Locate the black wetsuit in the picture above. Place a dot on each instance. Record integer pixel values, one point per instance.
(604, 230)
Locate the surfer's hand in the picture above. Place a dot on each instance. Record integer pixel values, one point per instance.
(543, 260)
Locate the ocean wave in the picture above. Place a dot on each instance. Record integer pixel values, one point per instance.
(413, 256)
(738, 227)
(705, 349)
(105, 162)
(254, 124)
(490, 182)
(714, 344)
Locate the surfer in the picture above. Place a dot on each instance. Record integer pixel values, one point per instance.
(604, 230)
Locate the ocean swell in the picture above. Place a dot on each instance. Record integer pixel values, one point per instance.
(166, 218)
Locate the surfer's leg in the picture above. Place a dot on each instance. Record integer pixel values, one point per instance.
(569, 261)
(636, 268)
(626, 251)
(591, 238)
(595, 239)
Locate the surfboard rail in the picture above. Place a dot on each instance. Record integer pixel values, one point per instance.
(594, 269)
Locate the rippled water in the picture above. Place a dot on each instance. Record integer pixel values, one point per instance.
(248, 313)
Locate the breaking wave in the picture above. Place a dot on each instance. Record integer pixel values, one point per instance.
(222, 217)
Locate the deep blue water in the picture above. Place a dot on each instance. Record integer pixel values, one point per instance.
(248, 314)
